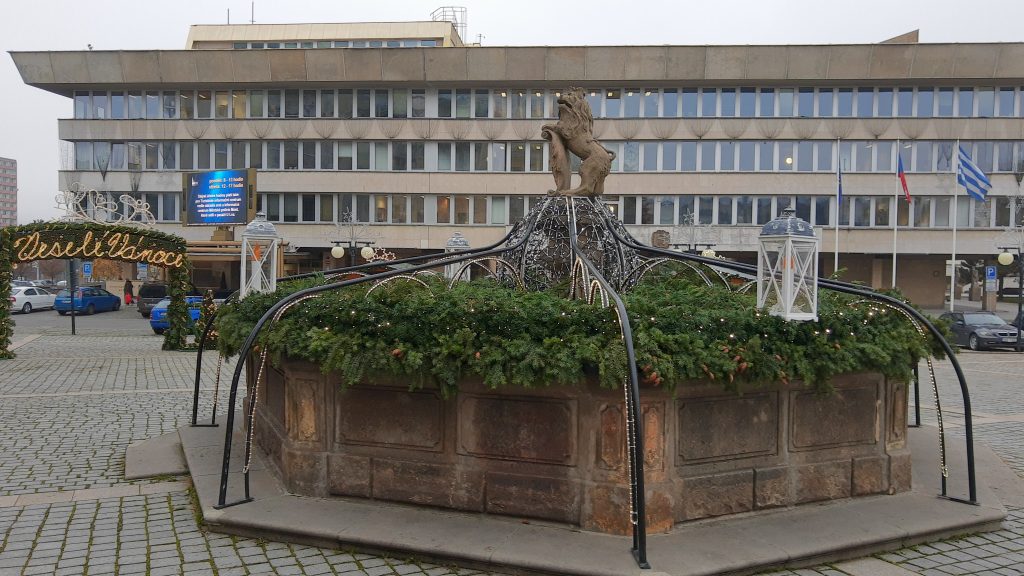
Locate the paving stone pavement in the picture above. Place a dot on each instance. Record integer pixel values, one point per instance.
(69, 406)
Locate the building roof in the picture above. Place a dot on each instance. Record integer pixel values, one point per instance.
(532, 67)
(200, 34)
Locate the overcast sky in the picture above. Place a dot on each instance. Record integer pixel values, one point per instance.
(28, 117)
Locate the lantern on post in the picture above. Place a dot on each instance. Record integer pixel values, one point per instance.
(260, 244)
(456, 243)
(787, 268)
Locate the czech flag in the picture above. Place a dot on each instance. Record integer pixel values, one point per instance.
(902, 176)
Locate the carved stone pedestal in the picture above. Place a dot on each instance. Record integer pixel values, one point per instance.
(559, 454)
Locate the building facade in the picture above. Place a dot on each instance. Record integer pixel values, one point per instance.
(8, 192)
(400, 135)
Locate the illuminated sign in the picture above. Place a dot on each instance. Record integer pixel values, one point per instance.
(219, 198)
(112, 244)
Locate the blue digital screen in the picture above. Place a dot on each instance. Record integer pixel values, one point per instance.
(219, 197)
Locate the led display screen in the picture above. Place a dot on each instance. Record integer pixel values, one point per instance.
(219, 198)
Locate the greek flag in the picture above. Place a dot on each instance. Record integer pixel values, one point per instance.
(971, 177)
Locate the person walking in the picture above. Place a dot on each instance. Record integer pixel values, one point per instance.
(129, 292)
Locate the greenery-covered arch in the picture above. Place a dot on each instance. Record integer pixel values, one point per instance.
(63, 240)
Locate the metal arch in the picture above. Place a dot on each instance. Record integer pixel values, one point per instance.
(493, 273)
(651, 264)
(330, 273)
(272, 312)
(935, 387)
(631, 392)
(333, 276)
(746, 286)
(408, 277)
(855, 290)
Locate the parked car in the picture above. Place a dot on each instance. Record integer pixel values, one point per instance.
(979, 330)
(28, 298)
(149, 294)
(88, 300)
(158, 318)
(21, 283)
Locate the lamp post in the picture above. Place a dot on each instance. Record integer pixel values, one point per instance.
(338, 252)
(1006, 258)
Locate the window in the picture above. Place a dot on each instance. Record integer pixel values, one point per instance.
(498, 156)
(727, 102)
(291, 103)
(862, 211)
(256, 101)
(273, 103)
(725, 210)
(805, 103)
(785, 155)
(922, 212)
(291, 155)
(727, 155)
(612, 103)
(536, 104)
(500, 100)
(685, 210)
(291, 207)
(83, 155)
(844, 102)
(865, 103)
(327, 155)
(380, 208)
(516, 209)
(766, 103)
(822, 210)
(905, 102)
(1006, 102)
(153, 105)
(689, 156)
(883, 156)
(631, 157)
(650, 157)
(345, 156)
(399, 209)
(986, 102)
(925, 102)
(117, 110)
(863, 152)
(805, 156)
(100, 106)
(168, 155)
(803, 207)
(444, 208)
(82, 106)
(399, 156)
(824, 153)
(309, 212)
(631, 103)
(345, 103)
(498, 210)
(669, 155)
(419, 103)
(766, 150)
(882, 211)
(274, 155)
(666, 210)
(309, 155)
(965, 102)
(362, 208)
(255, 154)
(444, 103)
(825, 99)
(884, 102)
(670, 103)
(327, 103)
(462, 156)
(707, 155)
(479, 210)
(708, 102)
(689, 102)
(945, 102)
(744, 210)
(153, 155)
(381, 107)
(785, 102)
(705, 209)
(651, 98)
(480, 156)
(400, 103)
(222, 104)
(204, 104)
(747, 152)
(362, 103)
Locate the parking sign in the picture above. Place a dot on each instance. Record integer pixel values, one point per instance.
(990, 272)
(143, 270)
(87, 269)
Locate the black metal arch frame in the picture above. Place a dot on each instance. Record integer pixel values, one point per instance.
(589, 278)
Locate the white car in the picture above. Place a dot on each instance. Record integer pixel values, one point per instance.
(29, 298)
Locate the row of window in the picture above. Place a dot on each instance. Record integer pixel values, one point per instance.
(682, 210)
(631, 156)
(403, 43)
(676, 210)
(922, 102)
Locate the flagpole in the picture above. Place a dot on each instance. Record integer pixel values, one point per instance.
(839, 202)
(895, 212)
(952, 265)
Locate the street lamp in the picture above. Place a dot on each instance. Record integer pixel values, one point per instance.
(338, 252)
(1006, 258)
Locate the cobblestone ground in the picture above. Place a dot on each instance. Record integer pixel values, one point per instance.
(69, 406)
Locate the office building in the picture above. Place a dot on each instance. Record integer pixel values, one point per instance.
(399, 134)
(8, 192)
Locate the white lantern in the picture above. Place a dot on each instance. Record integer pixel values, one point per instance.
(338, 252)
(260, 244)
(787, 268)
(456, 243)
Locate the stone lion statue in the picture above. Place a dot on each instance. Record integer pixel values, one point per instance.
(574, 132)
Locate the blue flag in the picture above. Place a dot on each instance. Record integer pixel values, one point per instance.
(971, 177)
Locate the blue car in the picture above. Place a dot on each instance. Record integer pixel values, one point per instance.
(158, 318)
(88, 300)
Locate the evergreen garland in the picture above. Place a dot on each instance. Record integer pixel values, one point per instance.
(682, 332)
(176, 336)
(6, 273)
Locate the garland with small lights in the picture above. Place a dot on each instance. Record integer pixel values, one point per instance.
(87, 240)
(683, 332)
